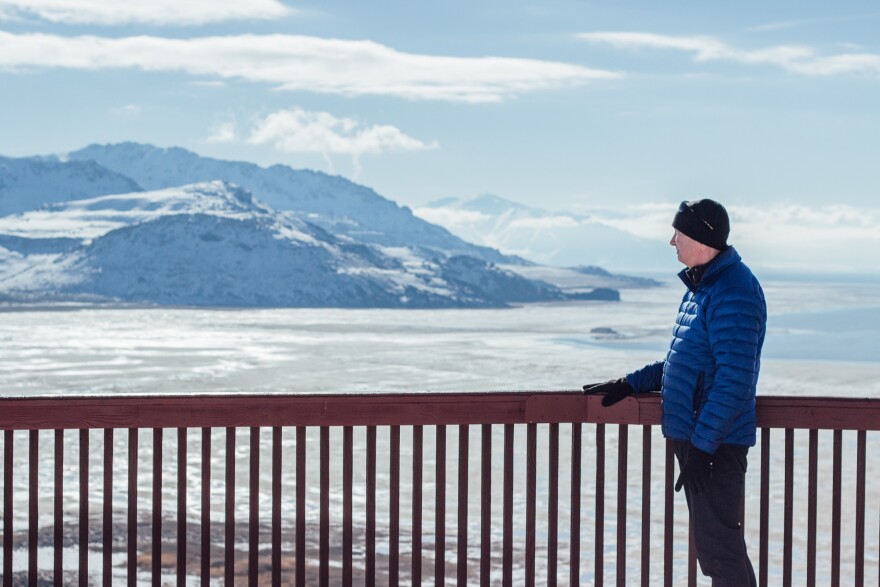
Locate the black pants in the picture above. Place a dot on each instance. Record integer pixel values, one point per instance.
(715, 517)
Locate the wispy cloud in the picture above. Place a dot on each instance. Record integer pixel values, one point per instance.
(153, 12)
(798, 59)
(301, 63)
(223, 132)
(300, 131)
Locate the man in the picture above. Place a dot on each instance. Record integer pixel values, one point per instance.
(707, 386)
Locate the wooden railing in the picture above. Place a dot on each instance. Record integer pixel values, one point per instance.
(577, 536)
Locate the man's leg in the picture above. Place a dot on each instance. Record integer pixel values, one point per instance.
(715, 513)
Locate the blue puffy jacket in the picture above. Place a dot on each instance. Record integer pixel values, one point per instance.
(708, 380)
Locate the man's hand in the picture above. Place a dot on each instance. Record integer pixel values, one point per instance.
(696, 472)
(614, 390)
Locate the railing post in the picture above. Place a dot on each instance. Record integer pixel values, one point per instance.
(84, 507)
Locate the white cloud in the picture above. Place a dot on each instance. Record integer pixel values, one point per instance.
(155, 12)
(300, 131)
(301, 63)
(223, 132)
(798, 59)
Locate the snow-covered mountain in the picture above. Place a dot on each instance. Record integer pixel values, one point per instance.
(214, 244)
(334, 203)
(28, 183)
(548, 238)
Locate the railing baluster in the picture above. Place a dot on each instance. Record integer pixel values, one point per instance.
(394, 510)
(574, 573)
(132, 506)
(7, 508)
(692, 556)
(229, 547)
(157, 508)
(417, 482)
(84, 507)
(371, 506)
(812, 494)
(668, 514)
(181, 506)
(206, 506)
(462, 540)
(646, 506)
(860, 509)
(599, 536)
(440, 508)
(835, 508)
(764, 541)
(531, 490)
(276, 506)
(622, 451)
(254, 509)
(33, 503)
(108, 507)
(507, 546)
(789, 507)
(486, 506)
(347, 506)
(58, 543)
(553, 505)
(300, 506)
(324, 531)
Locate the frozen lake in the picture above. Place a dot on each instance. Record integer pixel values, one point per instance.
(822, 340)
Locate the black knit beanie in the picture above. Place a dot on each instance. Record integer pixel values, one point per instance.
(705, 221)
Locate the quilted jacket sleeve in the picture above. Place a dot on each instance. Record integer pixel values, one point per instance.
(735, 322)
(648, 378)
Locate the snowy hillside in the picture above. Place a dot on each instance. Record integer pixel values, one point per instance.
(548, 238)
(334, 203)
(29, 183)
(213, 244)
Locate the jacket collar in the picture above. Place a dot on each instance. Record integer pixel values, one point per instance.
(712, 269)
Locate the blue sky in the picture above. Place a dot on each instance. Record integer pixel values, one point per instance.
(771, 108)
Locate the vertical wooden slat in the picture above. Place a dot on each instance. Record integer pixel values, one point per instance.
(860, 508)
(7, 508)
(507, 531)
(206, 506)
(371, 506)
(394, 510)
(347, 506)
(157, 508)
(692, 556)
(622, 451)
(646, 506)
(763, 565)
(574, 573)
(108, 508)
(132, 506)
(599, 535)
(324, 530)
(58, 543)
(33, 503)
(300, 506)
(531, 494)
(417, 483)
(229, 545)
(553, 505)
(788, 507)
(668, 514)
(440, 507)
(276, 506)
(486, 506)
(463, 441)
(254, 507)
(812, 494)
(84, 507)
(181, 505)
(835, 507)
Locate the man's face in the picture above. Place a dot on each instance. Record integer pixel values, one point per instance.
(690, 252)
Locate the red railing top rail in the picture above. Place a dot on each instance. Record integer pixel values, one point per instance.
(382, 409)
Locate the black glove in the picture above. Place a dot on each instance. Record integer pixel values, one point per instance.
(614, 390)
(696, 472)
